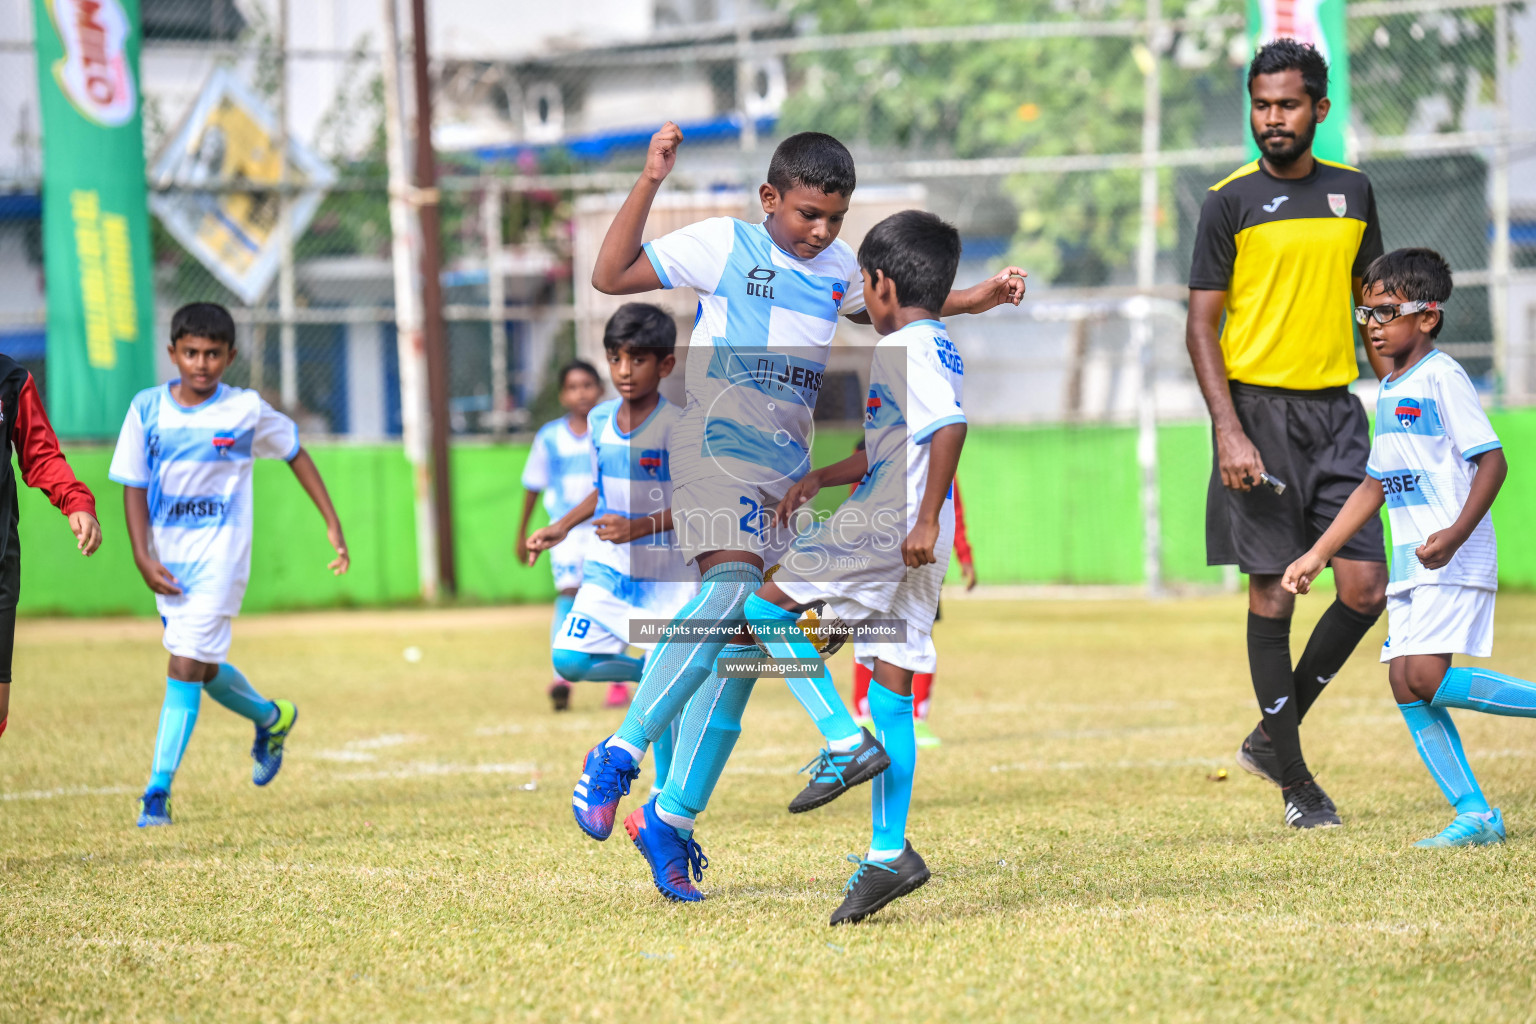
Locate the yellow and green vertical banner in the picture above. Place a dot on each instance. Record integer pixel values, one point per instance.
(1321, 23)
(96, 245)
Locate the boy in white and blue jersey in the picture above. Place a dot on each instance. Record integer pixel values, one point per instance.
(184, 458)
(1437, 465)
(770, 296)
(559, 469)
(634, 570)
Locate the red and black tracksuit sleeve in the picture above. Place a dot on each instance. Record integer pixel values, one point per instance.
(24, 426)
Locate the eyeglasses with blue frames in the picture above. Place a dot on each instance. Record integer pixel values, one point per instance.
(1388, 312)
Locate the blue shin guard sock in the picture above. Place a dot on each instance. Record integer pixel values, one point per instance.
(178, 717)
(661, 754)
(231, 689)
(891, 791)
(678, 667)
(1439, 745)
(579, 666)
(711, 724)
(563, 605)
(1492, 693)
(776, 630)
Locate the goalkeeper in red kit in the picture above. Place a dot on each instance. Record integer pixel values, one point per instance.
(24, 426)
(922, 682)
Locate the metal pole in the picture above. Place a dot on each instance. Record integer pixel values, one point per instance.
(413, 371)
(1141, 311)
(435, 332)
(288, 344)
(1507, 387)
(496, 300)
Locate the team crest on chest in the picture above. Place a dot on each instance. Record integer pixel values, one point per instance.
(1338, 203)
(224, 442)
(650, 461)
(871, 407)
(1407, 412)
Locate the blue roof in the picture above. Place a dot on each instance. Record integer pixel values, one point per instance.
(20, 206)
(602, 145)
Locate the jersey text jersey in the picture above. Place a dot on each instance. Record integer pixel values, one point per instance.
(765, 322)
(1429, 425)
(195, 462)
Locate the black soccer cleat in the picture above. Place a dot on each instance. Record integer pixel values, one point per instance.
(1307, 806)
(560, 695)
(834, 772)
(876, 883)
(1257, 757)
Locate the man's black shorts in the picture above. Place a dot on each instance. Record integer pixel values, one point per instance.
(1317, 442)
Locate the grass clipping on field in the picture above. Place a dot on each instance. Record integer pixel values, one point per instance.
(416, 858)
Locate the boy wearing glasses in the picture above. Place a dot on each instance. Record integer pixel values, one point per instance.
(1437, 465)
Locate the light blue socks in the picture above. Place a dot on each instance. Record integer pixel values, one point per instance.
(231, 689)
(678, 667)
(711, 724)
(777, 632)
(1492, 693)
(178, 717)
(891, 791)
(581, 667)
(563, 605)
(1439, 745)
(662, 750)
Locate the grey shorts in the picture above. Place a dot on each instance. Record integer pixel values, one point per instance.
(1317, 442)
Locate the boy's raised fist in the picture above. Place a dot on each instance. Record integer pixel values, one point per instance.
(663, 151)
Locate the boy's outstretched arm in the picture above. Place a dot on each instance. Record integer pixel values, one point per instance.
(43, 466)
(1007, 285)
(943, 459)
(845, 471)
(136, 512)
(622, 268)
(554, 533)
(1365, 502)
(1439, 546)
(309, 478)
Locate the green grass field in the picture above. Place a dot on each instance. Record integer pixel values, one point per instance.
(416, 859)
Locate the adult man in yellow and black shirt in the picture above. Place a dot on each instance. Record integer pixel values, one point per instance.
(1281, 248)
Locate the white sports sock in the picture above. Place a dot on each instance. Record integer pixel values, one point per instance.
(634, 751)
(847, 743)
(885, 855)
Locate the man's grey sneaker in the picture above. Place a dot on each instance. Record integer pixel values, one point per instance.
(1307, 806)
(877, 882)
(835, 772)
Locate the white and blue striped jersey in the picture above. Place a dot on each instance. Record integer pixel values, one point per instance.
(560, 465)
(195, 462)
(634, 479)
(915, 383)
(1429, 425)
(765, 323)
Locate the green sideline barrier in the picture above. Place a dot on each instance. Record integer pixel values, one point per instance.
(1043, 504)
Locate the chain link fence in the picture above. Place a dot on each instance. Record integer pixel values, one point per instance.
(1026, 125)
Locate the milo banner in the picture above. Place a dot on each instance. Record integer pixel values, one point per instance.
(95, 222)
(1321, 23)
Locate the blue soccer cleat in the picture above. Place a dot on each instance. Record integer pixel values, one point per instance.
(267, 751)
(154, 808)
(1469, 830)
(670, 856)
(605, 778)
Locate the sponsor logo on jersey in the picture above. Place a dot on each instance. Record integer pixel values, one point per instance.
(770, 372)
(195, 508)
(1274, 204)
(1338, 204)
(650, 461)
(224, 441)
(1407, 412)
(760, 281)
(1399, 483)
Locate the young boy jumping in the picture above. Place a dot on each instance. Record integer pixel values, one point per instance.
(634, 570)
(770, 295)
(1437, 465)
(559, 468)
(184, 458)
